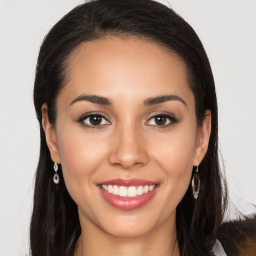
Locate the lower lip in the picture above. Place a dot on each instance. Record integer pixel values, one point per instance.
(128, 203)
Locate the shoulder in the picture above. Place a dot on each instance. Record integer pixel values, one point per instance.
(238, 237)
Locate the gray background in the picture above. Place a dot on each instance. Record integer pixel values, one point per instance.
(228, 32)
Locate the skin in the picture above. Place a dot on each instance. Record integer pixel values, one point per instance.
(129, 143)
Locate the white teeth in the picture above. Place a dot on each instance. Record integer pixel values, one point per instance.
(151, 187)
(145, 189)
(140, 191)
(132, 191)
(115, 190)
(110, 189)
(122, 191)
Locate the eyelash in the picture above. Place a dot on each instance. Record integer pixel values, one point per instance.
(93, 114)
(172, 120)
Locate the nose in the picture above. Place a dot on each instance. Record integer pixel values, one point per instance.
(128, 150)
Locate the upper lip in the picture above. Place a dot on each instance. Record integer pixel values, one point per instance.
(128, 182)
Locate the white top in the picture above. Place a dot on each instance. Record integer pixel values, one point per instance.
(218, 249)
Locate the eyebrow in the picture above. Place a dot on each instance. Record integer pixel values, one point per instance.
(92, 98)
(148, 102)
(164, 98)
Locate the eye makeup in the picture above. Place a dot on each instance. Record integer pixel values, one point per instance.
(99, 120)
(94, 120)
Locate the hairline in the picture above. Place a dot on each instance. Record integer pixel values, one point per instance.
(122, 35)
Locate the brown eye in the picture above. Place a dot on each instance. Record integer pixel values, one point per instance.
(162, 120)
(93, 120)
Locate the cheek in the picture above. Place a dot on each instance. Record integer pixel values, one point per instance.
(80, 156)
(175, 156)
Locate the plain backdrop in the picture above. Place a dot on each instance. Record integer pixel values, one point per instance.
(228, 32)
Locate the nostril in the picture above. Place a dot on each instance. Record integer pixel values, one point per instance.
(128, 165)
(127, 150)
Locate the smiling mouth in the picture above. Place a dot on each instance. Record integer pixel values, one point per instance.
(128, 194)
(130, 191)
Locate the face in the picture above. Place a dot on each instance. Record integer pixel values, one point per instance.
(126, 135)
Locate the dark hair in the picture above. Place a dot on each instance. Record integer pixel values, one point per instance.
(55, 225)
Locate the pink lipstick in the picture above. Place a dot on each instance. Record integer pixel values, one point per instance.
(128, 194)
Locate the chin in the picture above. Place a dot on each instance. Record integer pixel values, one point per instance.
(130, 226)
(129, 231)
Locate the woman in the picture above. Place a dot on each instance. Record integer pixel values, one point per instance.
(128, 165)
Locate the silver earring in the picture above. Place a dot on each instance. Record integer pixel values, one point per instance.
(196, 184)
(56, 177)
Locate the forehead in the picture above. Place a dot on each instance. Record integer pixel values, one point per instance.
(128, 67)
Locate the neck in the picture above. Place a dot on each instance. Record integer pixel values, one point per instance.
(160, 242)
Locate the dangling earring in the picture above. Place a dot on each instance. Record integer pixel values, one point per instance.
(196, 184)
(56, 177)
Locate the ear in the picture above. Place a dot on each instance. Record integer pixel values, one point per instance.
(203, 137)
(50, 135)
